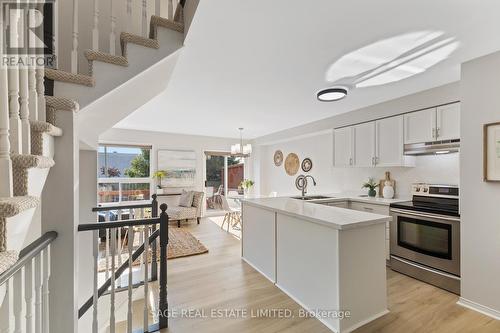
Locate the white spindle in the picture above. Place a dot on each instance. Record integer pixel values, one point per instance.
(28, 295)
(5, 162)
(74, 51)
(170, 9)
(112, 35)
(45, 290)
(18, 301)
(5, 310)
(32, 95)
(112, 294)
(121, 243)
(24, 110)
(130, 280)
(157, 7)
(106, 231)
(13, 81)
(38, 293)
(40, 90)
(129, 16)
(95, 28)
(146, 277)
(95, 253)
(39, 75)
(144, 18)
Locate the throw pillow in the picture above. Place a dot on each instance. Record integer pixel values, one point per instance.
(186, 199)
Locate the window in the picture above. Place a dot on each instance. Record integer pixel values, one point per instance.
(123, 173)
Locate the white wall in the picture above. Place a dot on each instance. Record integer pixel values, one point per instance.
(480, 224)
(441, 169)
(159, 140)
(315, 140)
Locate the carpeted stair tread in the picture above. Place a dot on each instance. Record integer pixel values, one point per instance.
(61, 103)
(93, 55)
(7, 260)
(31, 161)
(63, 76)
(20, 166)
(45, 127)
(126, 38)
(158, 21)
(14, 205)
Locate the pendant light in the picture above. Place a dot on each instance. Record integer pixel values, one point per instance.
(239, 148)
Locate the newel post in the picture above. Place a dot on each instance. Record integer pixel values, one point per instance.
(163, 303)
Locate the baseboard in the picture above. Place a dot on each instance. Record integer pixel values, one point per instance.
(366, 321)
(258, 270)
(479, 308)
(323, 321)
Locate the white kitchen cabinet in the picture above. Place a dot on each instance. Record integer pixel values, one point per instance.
(389, 142)
(420, 126)
(343, 144)
(448, 122)
(364, 145)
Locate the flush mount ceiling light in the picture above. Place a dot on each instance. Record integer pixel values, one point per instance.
(331, 94)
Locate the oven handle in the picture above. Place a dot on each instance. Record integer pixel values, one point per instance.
(441, 217)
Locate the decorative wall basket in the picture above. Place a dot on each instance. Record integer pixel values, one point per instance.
(307, 164)
(278, 157)
(292, 164)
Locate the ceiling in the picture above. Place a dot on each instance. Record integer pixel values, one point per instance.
(258, 64)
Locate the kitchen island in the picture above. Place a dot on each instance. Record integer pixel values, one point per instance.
(330, 260)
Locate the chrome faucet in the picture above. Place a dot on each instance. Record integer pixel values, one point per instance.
(304, 187)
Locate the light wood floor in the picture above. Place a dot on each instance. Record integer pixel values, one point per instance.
(221, 280)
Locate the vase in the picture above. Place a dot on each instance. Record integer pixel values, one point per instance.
(388, 191)
(372, 193)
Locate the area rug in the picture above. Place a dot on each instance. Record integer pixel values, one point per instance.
(181, 243)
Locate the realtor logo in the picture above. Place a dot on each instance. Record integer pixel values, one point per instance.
(22, 36)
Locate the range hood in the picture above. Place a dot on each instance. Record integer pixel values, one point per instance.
(432, 148)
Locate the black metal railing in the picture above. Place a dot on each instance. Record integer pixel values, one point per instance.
(134, 210)
(151, 236)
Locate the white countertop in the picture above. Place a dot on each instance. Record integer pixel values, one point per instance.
(356, 197)
(334, 217)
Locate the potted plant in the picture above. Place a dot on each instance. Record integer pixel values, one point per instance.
(371, 186)
(160, 174)
(246, 185)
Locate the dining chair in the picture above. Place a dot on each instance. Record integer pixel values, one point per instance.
(232, 213)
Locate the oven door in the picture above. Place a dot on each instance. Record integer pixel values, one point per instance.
(428, 239)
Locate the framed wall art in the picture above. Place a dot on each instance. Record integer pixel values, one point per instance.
(491, 153)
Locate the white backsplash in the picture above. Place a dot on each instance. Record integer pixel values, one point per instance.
(432, 169)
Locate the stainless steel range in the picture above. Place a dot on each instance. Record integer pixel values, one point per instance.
(425, 236)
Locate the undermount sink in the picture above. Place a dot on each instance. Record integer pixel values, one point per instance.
(312, 197)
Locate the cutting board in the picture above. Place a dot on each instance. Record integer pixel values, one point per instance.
(382, 184)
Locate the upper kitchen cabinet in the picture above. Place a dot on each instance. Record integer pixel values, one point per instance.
(448, 122)
(420, 126)
(435, 124)
(389, 138)
(364, 145)
(343, 145)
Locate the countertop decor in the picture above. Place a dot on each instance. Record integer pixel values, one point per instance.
(292, 164)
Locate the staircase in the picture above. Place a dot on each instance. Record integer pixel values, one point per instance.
(40, 133)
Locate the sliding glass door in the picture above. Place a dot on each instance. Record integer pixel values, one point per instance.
(224, 174)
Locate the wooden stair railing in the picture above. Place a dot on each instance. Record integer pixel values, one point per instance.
(150, 238)
(29, 275)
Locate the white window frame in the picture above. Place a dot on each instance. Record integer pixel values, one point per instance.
(127, 180)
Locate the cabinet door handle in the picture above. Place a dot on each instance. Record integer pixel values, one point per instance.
(368, 208)
(350, 161)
